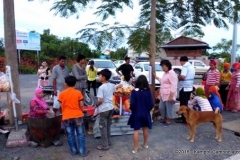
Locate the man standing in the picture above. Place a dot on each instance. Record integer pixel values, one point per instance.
(59, 72)
(186, 84)
(79, 71)
(126, 69)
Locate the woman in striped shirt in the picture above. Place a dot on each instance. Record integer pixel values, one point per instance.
(213, 77)
(233, 99)
(200, 101)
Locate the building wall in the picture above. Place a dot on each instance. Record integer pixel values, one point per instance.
(178, 53)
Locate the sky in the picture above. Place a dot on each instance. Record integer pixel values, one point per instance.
(37, 16)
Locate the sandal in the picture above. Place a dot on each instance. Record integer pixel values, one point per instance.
(133, 152)
(57, 143)
(146, 147)
(100, 147)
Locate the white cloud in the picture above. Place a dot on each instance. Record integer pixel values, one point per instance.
(36, 16)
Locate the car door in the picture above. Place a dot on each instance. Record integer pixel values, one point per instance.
(199, 67)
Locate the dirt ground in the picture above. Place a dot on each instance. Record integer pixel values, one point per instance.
(164, 143)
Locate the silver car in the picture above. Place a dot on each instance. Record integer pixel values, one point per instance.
(105, 64)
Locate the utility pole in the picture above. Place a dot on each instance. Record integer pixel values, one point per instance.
(234, 43)
(152, 52)
(11, 52)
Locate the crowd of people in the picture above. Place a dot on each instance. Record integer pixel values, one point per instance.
(69, 93)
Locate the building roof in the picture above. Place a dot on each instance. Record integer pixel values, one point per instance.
(186, 42)
(202, 46)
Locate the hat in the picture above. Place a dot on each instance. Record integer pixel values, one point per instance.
(235, 65)
(226, 65)
(213, 62)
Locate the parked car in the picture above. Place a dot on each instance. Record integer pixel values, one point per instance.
(120, 62)
(142, 68)
(200, 67)
(103, 64)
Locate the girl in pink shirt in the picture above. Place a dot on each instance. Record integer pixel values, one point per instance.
(168, 91)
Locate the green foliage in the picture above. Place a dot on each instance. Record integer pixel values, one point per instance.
(27, 70)
(1, 47)
(102, 35)
(223, 49)
(189, 16)
(119, 54)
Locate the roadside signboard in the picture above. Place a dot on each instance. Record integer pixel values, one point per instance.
(28, 41)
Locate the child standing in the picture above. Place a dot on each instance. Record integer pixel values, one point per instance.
(141, 104)
(71, 103)
(105, 107)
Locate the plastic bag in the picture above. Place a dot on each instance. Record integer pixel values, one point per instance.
(4, 82)
(14, 98)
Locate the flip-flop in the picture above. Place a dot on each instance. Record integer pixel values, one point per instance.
(146, 147)
(100, 147)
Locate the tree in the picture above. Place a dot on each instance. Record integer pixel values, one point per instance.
(119, 54)
(188, 15)
(223, 49)
(2, 47)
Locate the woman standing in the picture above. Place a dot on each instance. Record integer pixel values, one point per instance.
(92, 74)
(44, 73)
(79, 72)
(233, 98)
(225, 78)
(141, 104)
(213, 77)
(168, 91)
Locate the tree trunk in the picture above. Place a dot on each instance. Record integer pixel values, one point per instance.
(11, 52)
(153, 44)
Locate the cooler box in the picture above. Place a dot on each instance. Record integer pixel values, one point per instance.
(89, 109)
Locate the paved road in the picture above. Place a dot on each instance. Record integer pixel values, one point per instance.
(164, 143)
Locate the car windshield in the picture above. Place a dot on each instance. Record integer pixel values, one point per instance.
(104, 64)
(157, 67)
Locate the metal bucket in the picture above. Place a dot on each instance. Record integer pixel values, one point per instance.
(45, 131)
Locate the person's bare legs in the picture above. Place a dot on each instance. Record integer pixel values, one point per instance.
(135, 140)
(145, 136)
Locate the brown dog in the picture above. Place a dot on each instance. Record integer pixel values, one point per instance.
(195, 118)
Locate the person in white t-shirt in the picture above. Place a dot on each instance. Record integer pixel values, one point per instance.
(105, 107)
(200, 101)
(186, 80)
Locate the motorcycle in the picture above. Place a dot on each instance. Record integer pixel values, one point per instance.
(89, 100)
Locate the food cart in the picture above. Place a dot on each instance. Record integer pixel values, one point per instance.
(119, 125)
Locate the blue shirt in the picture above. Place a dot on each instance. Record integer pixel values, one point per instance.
(215, 102)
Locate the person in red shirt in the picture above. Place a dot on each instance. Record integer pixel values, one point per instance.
(213, 77)
(72, 115)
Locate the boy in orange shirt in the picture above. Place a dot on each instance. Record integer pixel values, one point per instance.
(71, 103)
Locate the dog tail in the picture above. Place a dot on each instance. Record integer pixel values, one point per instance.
(217, 110)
